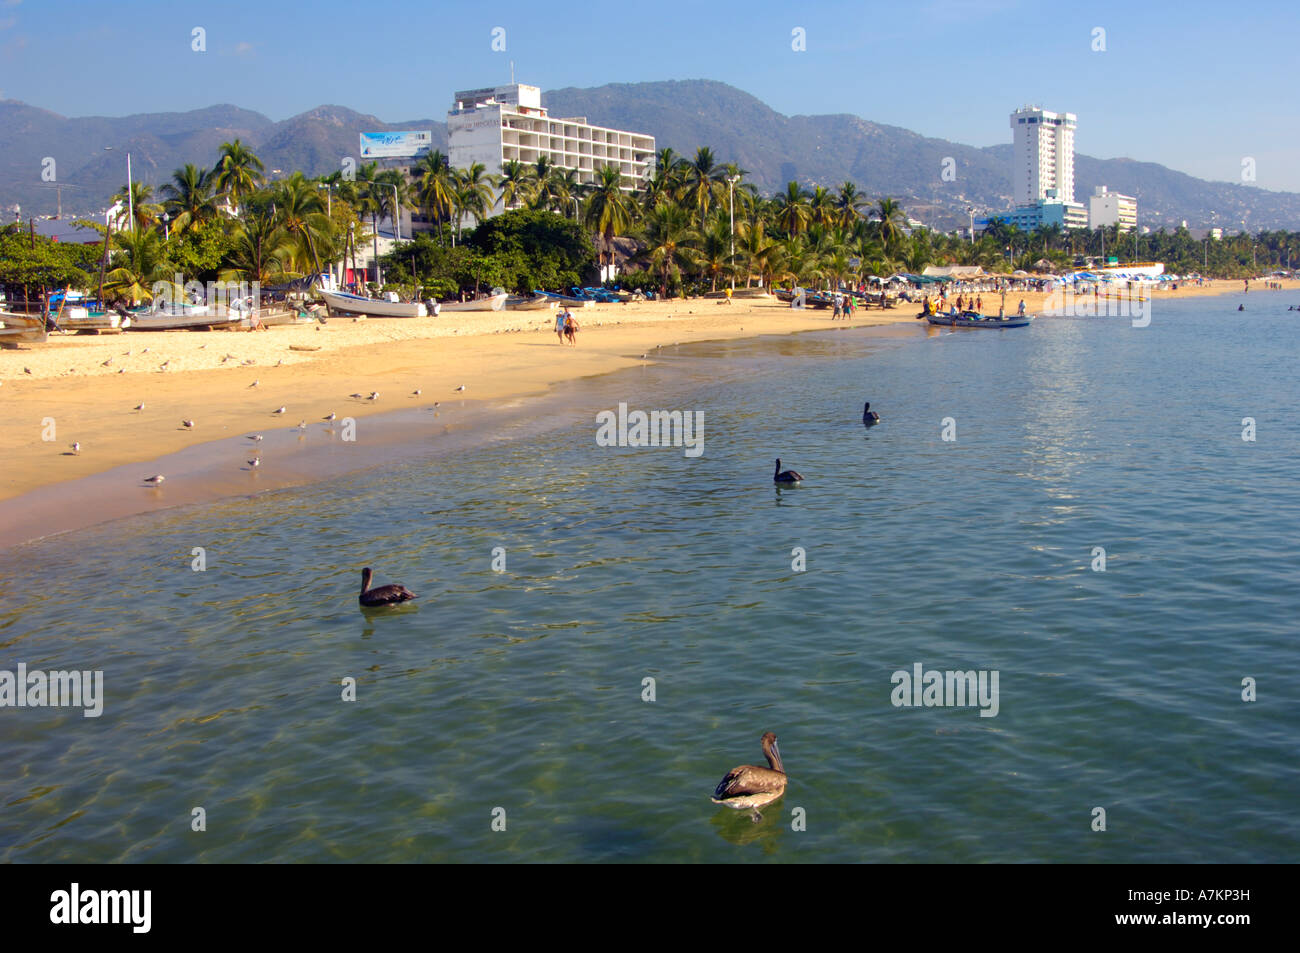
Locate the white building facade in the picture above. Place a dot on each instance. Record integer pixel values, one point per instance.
(1042, 155)
(1110, 208)
(502, 123)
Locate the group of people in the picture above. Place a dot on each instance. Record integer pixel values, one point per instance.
(566, 327)
(843, 307)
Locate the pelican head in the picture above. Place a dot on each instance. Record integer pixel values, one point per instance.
(772, 752)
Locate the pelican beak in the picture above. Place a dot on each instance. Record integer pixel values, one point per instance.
(776, 753)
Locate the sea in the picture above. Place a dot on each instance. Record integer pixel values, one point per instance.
(1096, 521)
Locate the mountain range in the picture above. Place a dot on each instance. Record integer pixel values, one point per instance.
(683, 114)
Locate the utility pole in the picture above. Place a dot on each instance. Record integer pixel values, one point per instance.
(731, 192)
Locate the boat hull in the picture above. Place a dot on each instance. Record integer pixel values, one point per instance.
(182, 322)
(493, 303)
(981, 323)
(373, 307)
(530, 304)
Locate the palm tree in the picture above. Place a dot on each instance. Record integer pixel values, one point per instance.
(565, 187)
(300, 212)
(610, 210)
(144, 213)
(702, 182)
(189, 198)
(669, 243)
(140, 265)
(714, 253)
(238, 172)
(474, 193)
(543, 191)
(889, 221)
(436, 188)
(850, 203)
(261, 246)
(517, 183)
(792, 212)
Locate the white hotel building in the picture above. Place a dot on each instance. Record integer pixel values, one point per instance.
(1110, 208)
(501, 123)
(1042, 177)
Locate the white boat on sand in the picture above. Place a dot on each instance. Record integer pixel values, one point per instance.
(495, 302)
(344, 303)
(538, 303)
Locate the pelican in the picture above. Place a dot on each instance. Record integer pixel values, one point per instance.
(785, 476)
(747, 787)
(869, 417)
(389, 595)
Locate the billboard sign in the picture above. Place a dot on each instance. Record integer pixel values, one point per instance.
(380, 145)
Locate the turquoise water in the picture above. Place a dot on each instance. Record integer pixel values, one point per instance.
(523, 689)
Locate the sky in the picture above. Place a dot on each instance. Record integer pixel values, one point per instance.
(1199, 87)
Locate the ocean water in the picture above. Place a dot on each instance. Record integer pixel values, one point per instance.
(518, 696)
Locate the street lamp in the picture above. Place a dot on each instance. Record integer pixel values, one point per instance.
(731, 205)
(130, 204)
(970, 210)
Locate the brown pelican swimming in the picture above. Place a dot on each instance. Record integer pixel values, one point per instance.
(389, 595)
(869, 417)
(747, 787)
(785, 476)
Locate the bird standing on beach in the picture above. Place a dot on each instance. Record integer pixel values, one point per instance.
(108, 363)
(255, 462)
(155, 479)
(255, 383)
(255, 437)
(416, 392)
(330, 418)
(189, 424)
(356, 396)
(374, 395)
(747, 787)
(786, 476)
(302, 425)
(461, 387)
(389, 595)
(139, 406)
(280, 411)
(76, 448)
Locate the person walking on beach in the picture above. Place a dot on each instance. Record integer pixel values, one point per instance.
(835, 311)
(571, 330)
(559, 323)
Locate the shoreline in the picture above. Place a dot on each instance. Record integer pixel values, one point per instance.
(509, 362)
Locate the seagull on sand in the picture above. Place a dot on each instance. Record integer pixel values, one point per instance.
(356, 396)
(254, 436)
(189, 424)
(302, 425)
(27, 370)
(374, 395)
(461, 387)
(76, 448)
(139, 406)
(330, 418)
(280, 411)
(255, 462)
(416, 392)
(108, 363)
(155, 479)
(255, 383)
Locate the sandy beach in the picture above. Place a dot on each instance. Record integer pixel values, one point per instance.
(84, 388)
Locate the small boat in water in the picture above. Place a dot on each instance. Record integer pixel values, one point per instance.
(344, 303)
(973, 319)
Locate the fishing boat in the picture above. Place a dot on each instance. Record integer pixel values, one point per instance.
(539, 303)
(494, 302)
(342, 302)
(77, 318)
(18, 329)
(811, 299)
(180, 321)
(973, 319)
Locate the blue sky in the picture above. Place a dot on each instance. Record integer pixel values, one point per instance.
(1193, 85)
